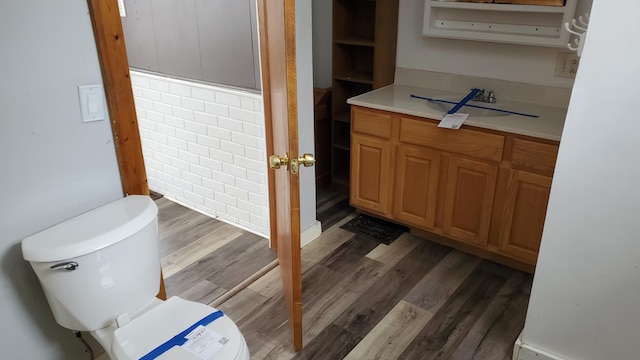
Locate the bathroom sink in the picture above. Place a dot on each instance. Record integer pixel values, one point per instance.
(472, 111)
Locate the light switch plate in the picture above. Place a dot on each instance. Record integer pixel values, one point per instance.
(121, 8)
(91, 102)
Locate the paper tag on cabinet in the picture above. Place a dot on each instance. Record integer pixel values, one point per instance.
(453, 121)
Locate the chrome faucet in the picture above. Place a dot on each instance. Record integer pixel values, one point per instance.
(485, 96)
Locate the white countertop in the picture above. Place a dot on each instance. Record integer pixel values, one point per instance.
(397, 98)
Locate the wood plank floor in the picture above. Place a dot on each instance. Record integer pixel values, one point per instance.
(412, 299)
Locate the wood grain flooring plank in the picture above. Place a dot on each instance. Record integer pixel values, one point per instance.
(440, 283)
(351, 250)
(333, 342)
(266, 326)
(325, 244)
(392, 334)
(499, 339)
(268, 285)
(198, 249)
(488, 319)
(242, 257)
(379, 299)
(394, 252)
(242, 304)
(328, 297)
(194, 289)
(448, 327)
(179, 226)
(223, 268)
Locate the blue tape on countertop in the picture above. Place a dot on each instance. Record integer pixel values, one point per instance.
(465, 100)
(473, 106)
(180, 338)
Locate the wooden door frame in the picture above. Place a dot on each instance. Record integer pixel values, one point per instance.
(112, 55)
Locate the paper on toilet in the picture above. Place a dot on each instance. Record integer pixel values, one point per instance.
(203, 342)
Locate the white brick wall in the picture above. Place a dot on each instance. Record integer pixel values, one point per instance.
(204, 147)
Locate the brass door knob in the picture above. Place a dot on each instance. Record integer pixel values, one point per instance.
(276, 161)
(307, 160)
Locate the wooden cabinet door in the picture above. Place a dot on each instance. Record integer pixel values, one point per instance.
(469, 199)
(370, 174)
(523, 215)
(416, 186)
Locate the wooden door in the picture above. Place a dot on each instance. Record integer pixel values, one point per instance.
(523, 215)
(469, 199)
(416, 186)
(279, 84)
(370, 174)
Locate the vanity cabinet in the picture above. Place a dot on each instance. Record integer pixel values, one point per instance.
(417, 176)
(370, 186)
(521, 206)
(370, 175)
(468, 200)
(486, 190)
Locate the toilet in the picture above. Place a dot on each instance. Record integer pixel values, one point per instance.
(100, 273)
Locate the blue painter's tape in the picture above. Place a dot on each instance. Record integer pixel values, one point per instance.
(473, 106)
(465, 100)
(181, 338)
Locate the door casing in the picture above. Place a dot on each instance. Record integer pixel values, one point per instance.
(278, 64)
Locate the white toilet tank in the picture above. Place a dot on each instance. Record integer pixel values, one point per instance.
(100, 264)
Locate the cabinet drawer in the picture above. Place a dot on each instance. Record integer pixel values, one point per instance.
(462, 141)
(371, 123)
(534, 156)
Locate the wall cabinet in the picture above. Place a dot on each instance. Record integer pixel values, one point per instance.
(485, 189)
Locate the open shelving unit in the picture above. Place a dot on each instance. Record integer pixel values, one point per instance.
(364, 57)
(540, 25)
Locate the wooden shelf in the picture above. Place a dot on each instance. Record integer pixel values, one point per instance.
(343, 117)
(355, 41)
(538, 25)
(342, 145)
(363, 59)
(341, 181)
(353, 76)
(497, 7)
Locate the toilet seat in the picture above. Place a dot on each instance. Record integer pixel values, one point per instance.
(155, 329)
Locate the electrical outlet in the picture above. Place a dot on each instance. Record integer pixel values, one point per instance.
(567, 65)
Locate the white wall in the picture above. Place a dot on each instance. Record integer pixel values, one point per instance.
(204, 144)
(528, 64)
(322, 40)
(585, 301)
(204, 147)
(53, 166)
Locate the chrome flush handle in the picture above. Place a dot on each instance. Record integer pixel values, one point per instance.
(69, 266)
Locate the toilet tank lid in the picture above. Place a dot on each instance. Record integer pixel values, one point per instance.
(91, 231)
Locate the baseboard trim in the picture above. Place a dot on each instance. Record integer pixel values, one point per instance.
(311, 233)
(522, 351)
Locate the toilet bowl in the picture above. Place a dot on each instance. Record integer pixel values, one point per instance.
(100, 273)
